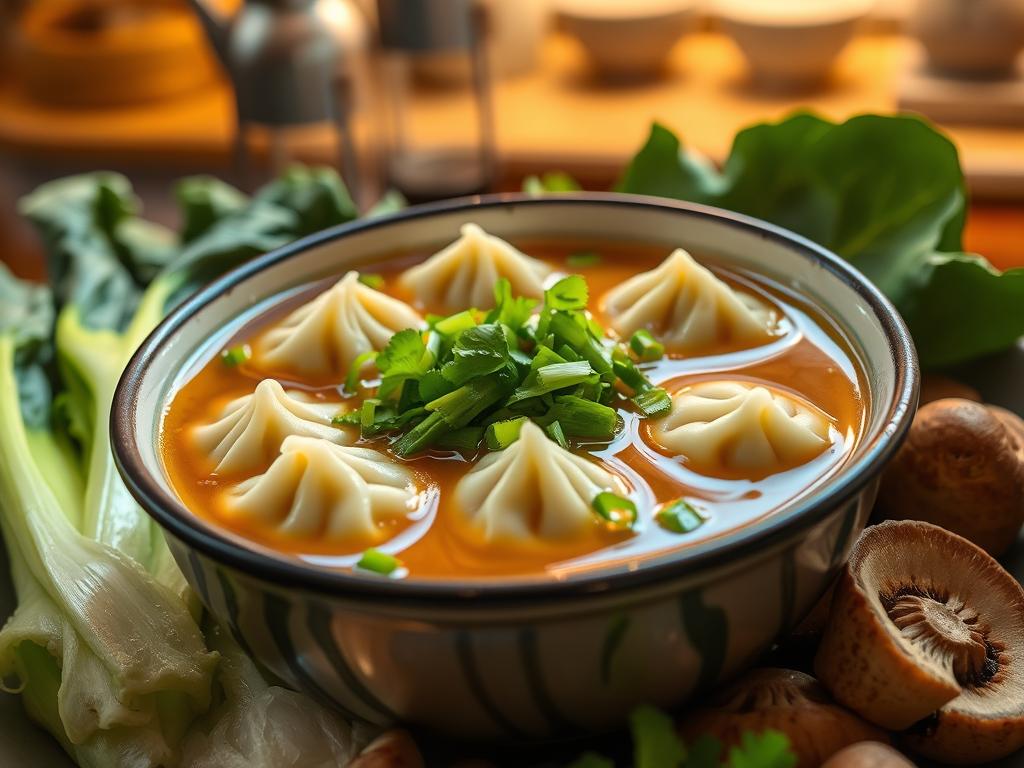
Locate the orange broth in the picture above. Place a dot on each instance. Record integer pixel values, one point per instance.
(812, 359)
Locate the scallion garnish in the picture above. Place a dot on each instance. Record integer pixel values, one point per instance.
(501, 434)
(476, 377)
(354, 371)
(583, 259)
(646, 347)
(372, 280)
(554, 430)
(375, 561)
(680, 517)
(617, 511)
(236, 356)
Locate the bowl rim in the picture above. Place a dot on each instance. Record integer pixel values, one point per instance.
(172, 515)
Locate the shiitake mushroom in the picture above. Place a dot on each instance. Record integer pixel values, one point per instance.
(868, 754)
(935, 386)
(962, 467)
(926, 633)
(784, 700)
(392, 749)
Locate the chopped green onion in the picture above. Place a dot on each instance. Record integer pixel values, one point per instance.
(554, 430)
(422, 436)
(583, 418)
(351, 419)
(566, 329)
(353, 378)
(375, 561)
(465, 441)
(653, 402)
(619, 512)
(646, 347)
(583, 259)
(235, 356)
(458, 408)
(680, 517)
(549, 378)
(372, 280)
(455, 324)
(627, 371)
(502, 434)
(368, 412)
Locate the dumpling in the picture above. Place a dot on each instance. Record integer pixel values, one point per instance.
(250, 429)
(326, 335)
(463, 274)
(534, 488)
(687, 308)
(317, 488)
(730, 427)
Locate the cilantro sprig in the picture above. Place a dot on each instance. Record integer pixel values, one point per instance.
(471, 379)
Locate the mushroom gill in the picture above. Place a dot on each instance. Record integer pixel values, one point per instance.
(926, 632)
(962, 467)
(784, 700)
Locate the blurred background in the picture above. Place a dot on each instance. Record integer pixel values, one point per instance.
(437, 98)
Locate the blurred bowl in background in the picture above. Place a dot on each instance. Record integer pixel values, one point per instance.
(970, 38)
(791, 44)
(626, 41)
(87, 54)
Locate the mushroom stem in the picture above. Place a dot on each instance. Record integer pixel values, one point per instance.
(868, 754)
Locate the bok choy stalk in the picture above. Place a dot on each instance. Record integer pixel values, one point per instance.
(102, 261)
(120, 649)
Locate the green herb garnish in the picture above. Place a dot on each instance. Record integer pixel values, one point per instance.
(646, 347)
(372, 280)
(618, 511)
(475, 375)
(354, 371)
(680, 517)
(583, 259)
(236, 356)
(375, 561)
(501, 434)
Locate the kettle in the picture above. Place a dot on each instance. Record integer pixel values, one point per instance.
(291, 63)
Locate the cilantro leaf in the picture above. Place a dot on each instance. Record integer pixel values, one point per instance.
(478, 351)
(509, 310)
(569, 294)
(770, 749)
(655, 741)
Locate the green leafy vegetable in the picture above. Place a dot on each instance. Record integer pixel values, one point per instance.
(766, 750)
(318, 197)
(553, 181)
(655, 741)
(885, 193)
(205, 200)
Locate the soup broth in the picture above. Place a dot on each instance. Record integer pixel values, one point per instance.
(807, 357)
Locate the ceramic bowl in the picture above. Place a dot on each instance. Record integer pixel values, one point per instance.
(791, 44)
(523, 658)
(627, 41)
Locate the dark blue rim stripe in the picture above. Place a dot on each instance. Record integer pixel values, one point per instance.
(843, 536)
(277, 611)
(787, 589)
(172, 515)
(475, 683)
(231, 604)
(320, 628)
(199, 577)
(707, 627)
(530, 654)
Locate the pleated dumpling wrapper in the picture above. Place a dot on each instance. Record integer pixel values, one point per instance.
(534, 488)
(687, 308)
(326, 335)
(318, 489)
(463, 274)
(732, 427)
(249, 432)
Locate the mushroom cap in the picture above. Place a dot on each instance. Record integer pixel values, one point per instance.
(784, 700)
(927, 625)
(868, 754)
(935, 386)
(392, 749)
(962, 467)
